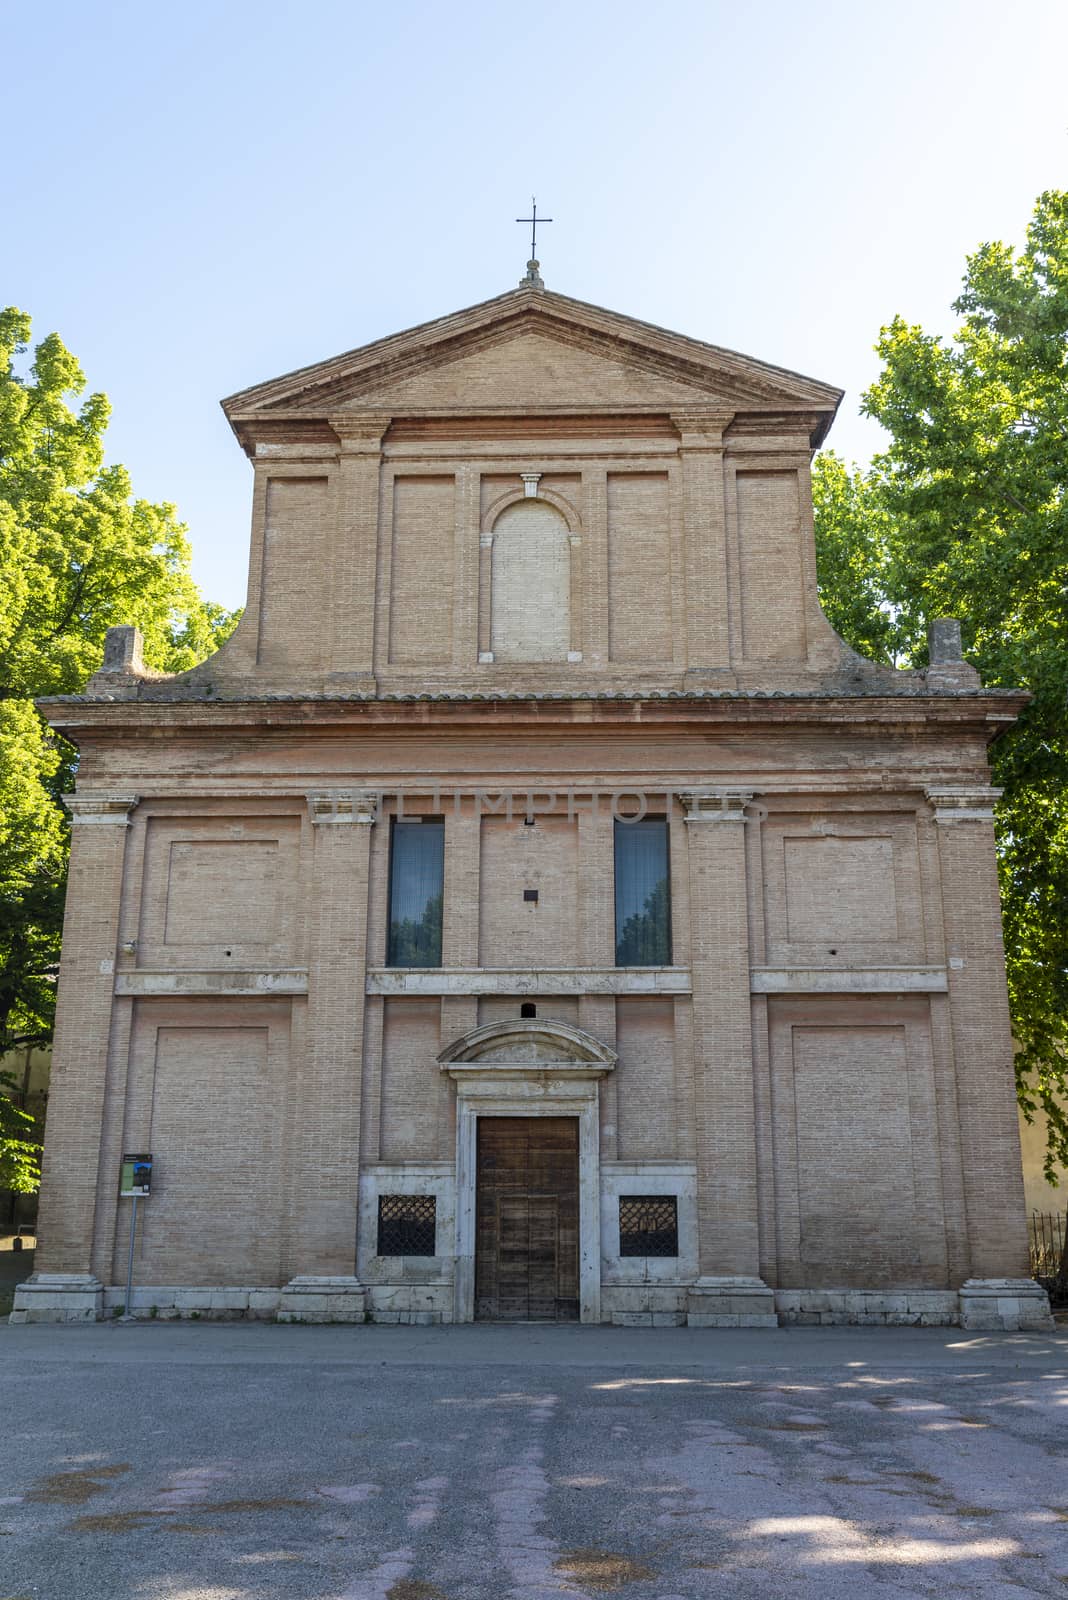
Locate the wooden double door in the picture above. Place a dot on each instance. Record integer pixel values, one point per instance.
(527, 1220)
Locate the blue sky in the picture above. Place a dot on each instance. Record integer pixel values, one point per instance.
(207, 196)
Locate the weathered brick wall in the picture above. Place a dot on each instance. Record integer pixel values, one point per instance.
(833, 1043)
(421, 570)
(514, 932)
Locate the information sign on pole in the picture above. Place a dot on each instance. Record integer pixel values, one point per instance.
(136, 1175)
(136, 1182)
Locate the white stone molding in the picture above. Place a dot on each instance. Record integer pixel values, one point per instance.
(344, 805)
(528, 1068)
(528, 980)
(835, 980)
(718, 803)
(86, 807)
(869, 1308)
(574, 655)
(530, 484)
(963, 802)
(485, 657)
(295, 452)
(286, 980)
(527, 1043)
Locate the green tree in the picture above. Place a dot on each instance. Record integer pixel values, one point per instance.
(965, 513)
(645, 937)
(418, 944)
(77, 554)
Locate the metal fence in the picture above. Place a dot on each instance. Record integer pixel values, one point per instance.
(1049, 1253)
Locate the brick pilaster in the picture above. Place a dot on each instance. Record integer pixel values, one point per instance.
(705, 537)
(326, 1172)
(83, 1031)
(357, 547)
(723, 1047)
(982, 1036)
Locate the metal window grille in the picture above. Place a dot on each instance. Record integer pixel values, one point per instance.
(648, 1225)
(406, 1224)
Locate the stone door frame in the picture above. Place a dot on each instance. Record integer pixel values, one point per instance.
(528, 1068)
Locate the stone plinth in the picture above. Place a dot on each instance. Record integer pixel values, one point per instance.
(312, 1299)
(59, 1297)
(730, 1303)
(1005, 1305)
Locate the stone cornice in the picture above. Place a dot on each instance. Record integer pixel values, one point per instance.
(991, 712)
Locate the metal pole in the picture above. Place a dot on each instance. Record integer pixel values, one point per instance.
(127, 1315)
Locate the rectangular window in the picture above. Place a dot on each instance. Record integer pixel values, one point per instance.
(406, 1224)
(643, 893)
(416, 887)
(648, 1225)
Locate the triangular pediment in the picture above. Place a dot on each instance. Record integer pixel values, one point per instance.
(532, 349)
(527, 366)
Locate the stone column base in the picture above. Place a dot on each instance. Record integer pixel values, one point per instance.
(1007, 1305)
(59, 1297)
(730, 1303)
(311, 1299)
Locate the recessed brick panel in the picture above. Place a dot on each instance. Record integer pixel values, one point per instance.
(769, 545)
(639, 567)
(219, 891)
(840, 889)
(215, 1137)
(421, 573)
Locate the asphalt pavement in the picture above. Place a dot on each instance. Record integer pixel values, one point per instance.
(225, 1461)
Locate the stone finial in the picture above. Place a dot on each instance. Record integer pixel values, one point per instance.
(533, 278)
(123, 651)
(123, 667)
(948, 671)
(943, 641)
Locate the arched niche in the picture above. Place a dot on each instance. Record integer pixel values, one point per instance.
(530, 585)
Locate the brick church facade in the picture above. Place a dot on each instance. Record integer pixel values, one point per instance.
(535, 910)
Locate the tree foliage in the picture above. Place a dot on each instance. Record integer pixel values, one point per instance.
(78, 553)
(965, 513)
(645, 937)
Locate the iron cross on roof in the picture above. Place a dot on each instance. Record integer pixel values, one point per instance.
(532, 265)
(533, 220)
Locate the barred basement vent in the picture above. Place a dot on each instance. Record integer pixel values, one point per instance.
(407, 1224)
(648, 1225)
